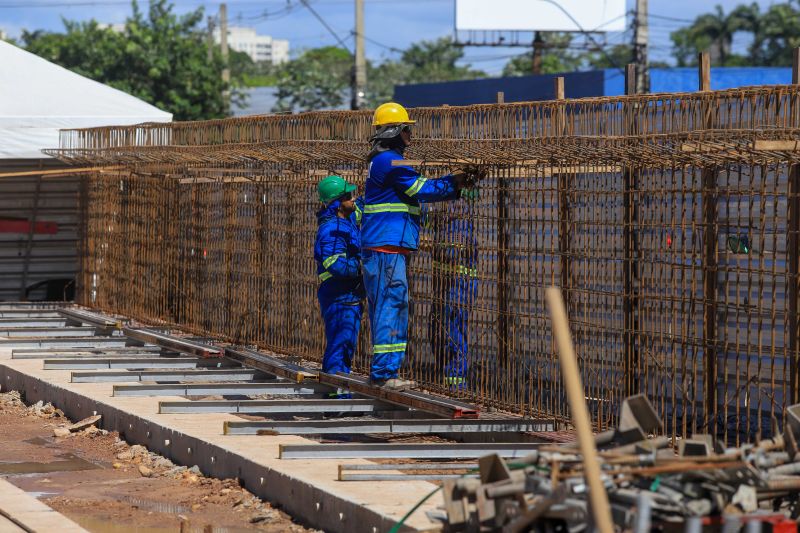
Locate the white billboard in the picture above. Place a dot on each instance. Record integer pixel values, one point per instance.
(541, 15)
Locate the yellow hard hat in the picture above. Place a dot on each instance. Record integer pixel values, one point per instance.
(391, 113)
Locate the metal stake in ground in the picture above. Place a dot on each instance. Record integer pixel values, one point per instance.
(580, 415)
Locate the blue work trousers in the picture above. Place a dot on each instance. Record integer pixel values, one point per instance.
(448, 333)
(387, 292)
(342, 322)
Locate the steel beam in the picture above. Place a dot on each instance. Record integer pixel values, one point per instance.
(271, 365)
(38, 332)
(344, 476)
(404, 450)
(84, 356)
(136, 363)
(73, 342)
(23, 322)
(417, 400)
(173, 343)
(89, 350)
(382, 467)
(331, 427)
(80, 316)
(19, 313)
(30, 306)
(164, 375)
(275, 406)
(219, 389)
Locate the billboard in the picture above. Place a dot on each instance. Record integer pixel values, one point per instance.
(541, 15)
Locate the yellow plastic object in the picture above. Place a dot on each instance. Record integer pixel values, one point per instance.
(391, 113)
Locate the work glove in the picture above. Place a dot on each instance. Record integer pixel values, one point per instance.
(472, 175)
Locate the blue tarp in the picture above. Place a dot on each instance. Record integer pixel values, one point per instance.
(676, 80)
(484, 91)
(609, 82)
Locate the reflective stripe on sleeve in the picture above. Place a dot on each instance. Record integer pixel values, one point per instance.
(331, 260)
(325, 276)
(416, 186)
(391, 208)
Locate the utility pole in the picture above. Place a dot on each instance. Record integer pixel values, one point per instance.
(210, 39)
(360, 67)
(223, 38)
(536, 58)
(640, 37)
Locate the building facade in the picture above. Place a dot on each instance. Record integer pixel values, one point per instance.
(258, 47)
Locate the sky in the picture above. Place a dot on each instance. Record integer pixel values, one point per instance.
(391, 25)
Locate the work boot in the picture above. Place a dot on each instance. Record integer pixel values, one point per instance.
(396, 384)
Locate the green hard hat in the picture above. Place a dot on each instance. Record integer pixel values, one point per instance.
(333, 187)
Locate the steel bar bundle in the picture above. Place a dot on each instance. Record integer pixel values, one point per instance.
(670, 222)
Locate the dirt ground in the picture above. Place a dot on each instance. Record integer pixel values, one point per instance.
(107, 486)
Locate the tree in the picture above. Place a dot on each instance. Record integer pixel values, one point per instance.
(555, 56)
(714, 32)
(776, 35)
(434, 61)
(318, 79)
(159, 57)
(617, 57)
(423, 62)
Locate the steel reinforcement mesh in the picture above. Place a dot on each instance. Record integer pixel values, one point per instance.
(670, 222)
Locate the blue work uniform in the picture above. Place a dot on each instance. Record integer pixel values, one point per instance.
(337, 251)
(390, 231)
(455, 287)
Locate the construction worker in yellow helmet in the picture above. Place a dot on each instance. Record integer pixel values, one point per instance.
(390, 233)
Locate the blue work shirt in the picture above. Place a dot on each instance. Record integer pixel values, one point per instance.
(337, 251)
(392, 199)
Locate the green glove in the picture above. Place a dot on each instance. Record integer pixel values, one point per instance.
(470, 194)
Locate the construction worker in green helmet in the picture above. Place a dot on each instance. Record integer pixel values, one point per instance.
(337, 251)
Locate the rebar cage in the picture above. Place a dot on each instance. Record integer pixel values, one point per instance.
(670, 222)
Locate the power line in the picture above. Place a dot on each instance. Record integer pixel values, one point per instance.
(674, 19)
(324, 23)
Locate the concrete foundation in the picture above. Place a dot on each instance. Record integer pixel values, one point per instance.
(306, 489)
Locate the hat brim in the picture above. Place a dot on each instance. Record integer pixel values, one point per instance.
(407, 123)
(350, 188)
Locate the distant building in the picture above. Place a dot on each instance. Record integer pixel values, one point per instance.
(258, 47)
(118, 27)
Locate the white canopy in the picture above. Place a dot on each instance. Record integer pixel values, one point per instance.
(38, 98)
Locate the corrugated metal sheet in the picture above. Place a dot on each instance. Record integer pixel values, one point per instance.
(27, 259)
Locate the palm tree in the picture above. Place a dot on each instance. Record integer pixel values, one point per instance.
(714, 32)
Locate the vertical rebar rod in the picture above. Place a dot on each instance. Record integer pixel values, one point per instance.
(793, 249)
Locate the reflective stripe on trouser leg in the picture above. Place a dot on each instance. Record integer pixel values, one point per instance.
(342, 322)
(387, 291)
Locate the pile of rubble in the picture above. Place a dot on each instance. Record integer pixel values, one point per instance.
(14, 400)
(652, 485)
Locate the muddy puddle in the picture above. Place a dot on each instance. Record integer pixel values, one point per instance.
(67, 463)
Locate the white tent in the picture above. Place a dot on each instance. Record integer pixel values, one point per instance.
(38, 98)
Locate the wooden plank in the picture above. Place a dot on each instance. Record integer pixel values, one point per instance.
(61, 171)
(765, 145)
(706, 146)
(580, 413)
(558, 84)
(704, 72)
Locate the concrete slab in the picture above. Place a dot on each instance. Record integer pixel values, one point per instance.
(307, 489)
(20, 511)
